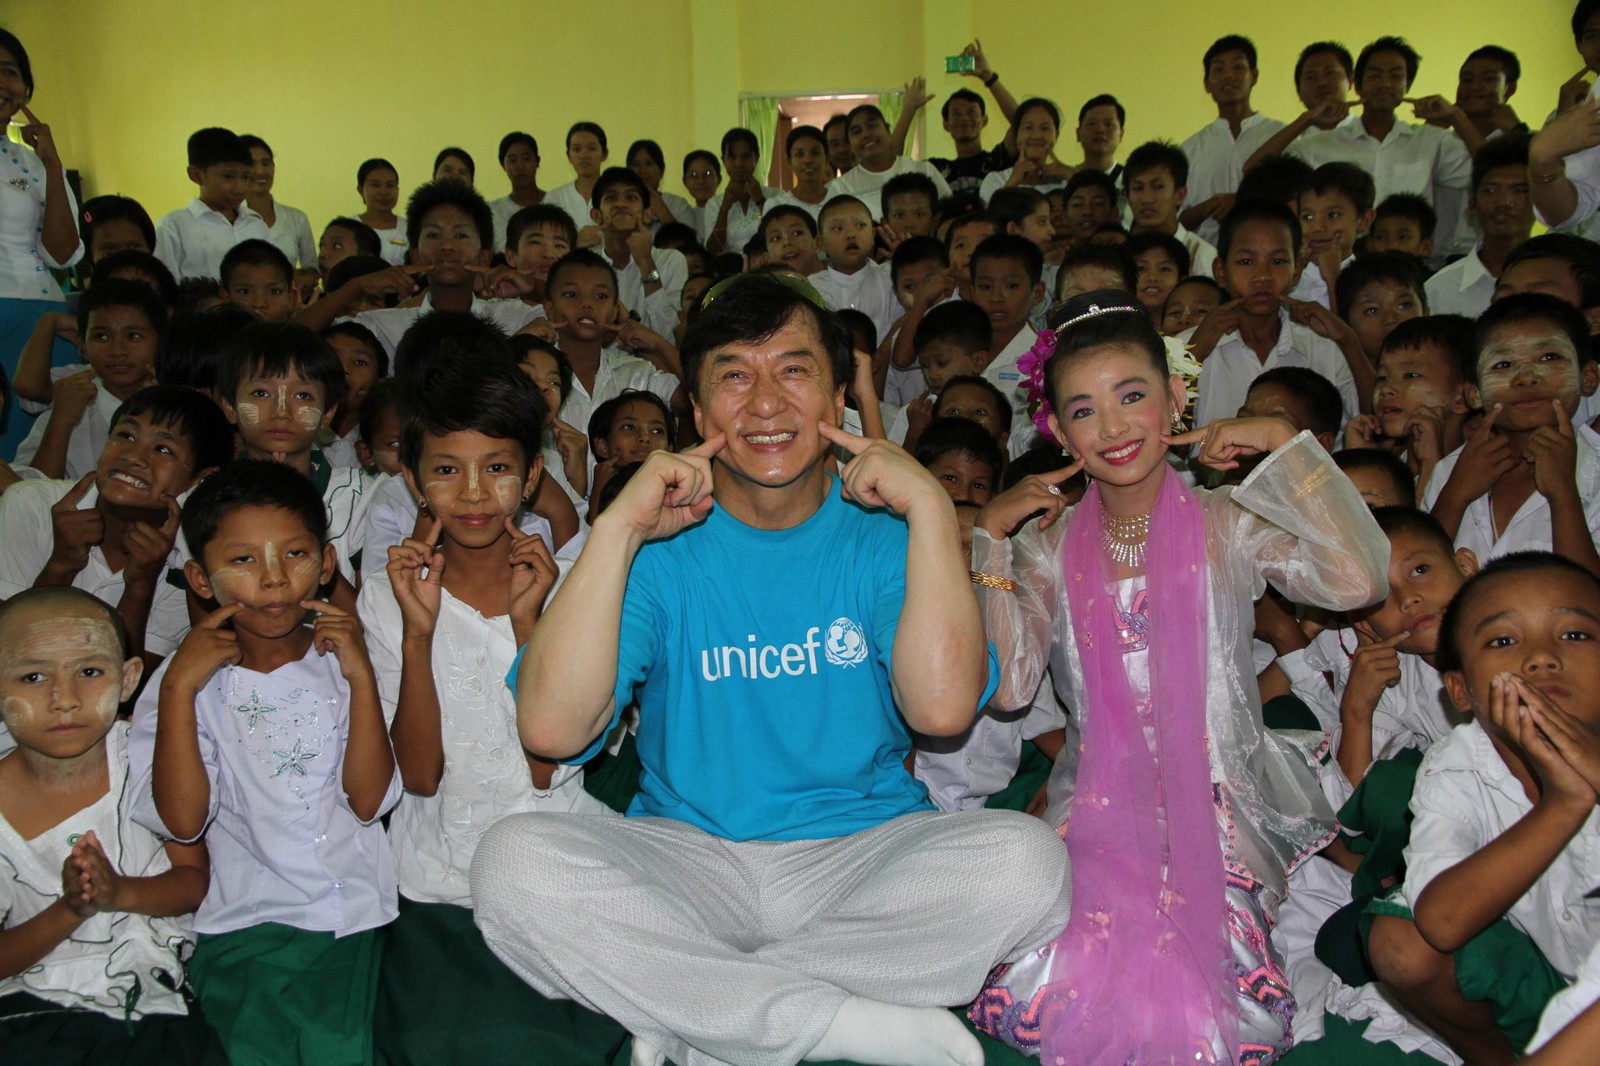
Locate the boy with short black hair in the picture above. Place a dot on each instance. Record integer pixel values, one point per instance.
(1160, 261)
(1095, 266)
(365, 364)
(1484, 87)
(951, 341)
(111, 532)
(1335, 207)
(1376, 292)
(909, 202)
(1217, 152)
(791, 237)
(1526, 478)
(535, 238)
(649, 279)
(961, 240)
(1189, 302)
(731, 217)
(264, 736)
(1155, 180)
(1501, 207)
(1101, 122)
(1006, 273)
(851, 279)
(258, 280)
(962, 456)
(192, 240)
(120, 324)
(1300, 396)
(1091, 202)
(920, 273)
(977, 399)
(281, 385)
(1260, 327)
(1503, 813)
(1403, 222)
(345, 237)
(450, 230)
(1420, 405)
(876, 159)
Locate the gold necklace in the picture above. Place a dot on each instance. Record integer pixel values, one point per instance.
(1123, 538)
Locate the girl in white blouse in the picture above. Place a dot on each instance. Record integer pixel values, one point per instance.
(38, 224)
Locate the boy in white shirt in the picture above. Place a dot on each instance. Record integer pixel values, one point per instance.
(95, 907)
(876, 161)
(649, 279)
(264, 736)
(444, 622)
(851, 279)
(1217, 151)
(450, 228)
(120, 324)
(110, 533)
(1503, 209)
(731, 217)
(1526, 478)
(192, 240)
(1504, 808)
(1006, 282)
(1260, 328)
(1335, 205)
(1155, 180)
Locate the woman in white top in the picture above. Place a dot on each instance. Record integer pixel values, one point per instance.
(645, 159)
(519, 158)
(287, 226)
(587, 152)
(1037, 123)
(807, 150)
(378, 182)
(38, 223)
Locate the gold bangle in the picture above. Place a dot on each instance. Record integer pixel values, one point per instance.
(994, 581)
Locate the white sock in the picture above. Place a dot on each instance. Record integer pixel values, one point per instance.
(882, 1034)
(646, 1053)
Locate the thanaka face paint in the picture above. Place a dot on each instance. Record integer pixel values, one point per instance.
(61, 679)
(508, 489)
(1525, 366)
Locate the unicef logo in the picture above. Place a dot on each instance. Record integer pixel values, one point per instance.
(846, 644)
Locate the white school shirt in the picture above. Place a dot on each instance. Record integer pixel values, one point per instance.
(192, 240)
(1226, 374)
(789, 199)
(657, 310)
(25, 264)
(869, 290)
(284, 844)
(963, 771)
(1465, 287)
(486, 776)
(1313, 287)
(392, 243)
(1529, 529)
(996, 180)
(291, 232)
(744, 220)
(29, 538)
(1216, 160)
(389, 324)
(88, 437)
(1464, 798)
(1202, 254)
(502, 210)
(682, 210)
(1003, 374)
(391, 516)
(101, 962)
(341, 451)
(618, 372)
(572, 202)
(1583, 170)
(864, 184)
(1415, 157)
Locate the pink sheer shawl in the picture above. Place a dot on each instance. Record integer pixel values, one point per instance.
(1143, 972)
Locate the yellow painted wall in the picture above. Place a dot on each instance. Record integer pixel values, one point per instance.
(331, 83)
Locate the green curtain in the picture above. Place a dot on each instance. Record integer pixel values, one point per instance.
(761, 116)
(891, 104)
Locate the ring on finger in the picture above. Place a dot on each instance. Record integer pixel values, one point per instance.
(1054, 490)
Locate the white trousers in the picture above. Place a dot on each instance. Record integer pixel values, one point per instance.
(723, 952)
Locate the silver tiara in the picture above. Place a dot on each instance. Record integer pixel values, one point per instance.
(1095, 311)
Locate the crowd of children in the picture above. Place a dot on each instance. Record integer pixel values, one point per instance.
(543, 629)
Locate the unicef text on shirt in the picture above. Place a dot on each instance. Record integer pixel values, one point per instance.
(845, 646)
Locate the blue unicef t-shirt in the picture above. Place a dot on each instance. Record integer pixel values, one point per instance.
(760, 660)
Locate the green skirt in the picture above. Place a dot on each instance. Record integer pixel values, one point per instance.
(444, 997)
(40, 1033)
(278, 995)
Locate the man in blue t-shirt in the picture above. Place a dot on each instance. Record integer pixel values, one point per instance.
(781, 888)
